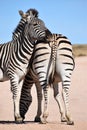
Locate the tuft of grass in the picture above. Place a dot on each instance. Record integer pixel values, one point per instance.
(79, 50)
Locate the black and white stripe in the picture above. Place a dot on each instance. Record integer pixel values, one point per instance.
(60, 71)
(15, 57)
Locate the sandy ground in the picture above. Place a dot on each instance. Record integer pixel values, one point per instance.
(78, 105)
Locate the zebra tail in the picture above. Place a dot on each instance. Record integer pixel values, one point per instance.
(52, 64)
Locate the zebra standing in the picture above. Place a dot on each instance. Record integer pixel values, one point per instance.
(60, 71)
(37, 74)
(15, 56)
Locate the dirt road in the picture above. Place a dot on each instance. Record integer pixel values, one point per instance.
(78, 105)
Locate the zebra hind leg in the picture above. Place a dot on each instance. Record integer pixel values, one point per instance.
(65, 95)
(46, 101)
(58, 100)
(26, 97)
(25, 100)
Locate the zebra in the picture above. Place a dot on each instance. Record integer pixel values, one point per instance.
(15, 55)
(61, 64)
(20, 27)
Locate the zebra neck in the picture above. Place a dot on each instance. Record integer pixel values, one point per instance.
(24, 48)
(19, 29)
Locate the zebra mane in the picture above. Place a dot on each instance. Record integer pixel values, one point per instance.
(34, 12)
(19, 29)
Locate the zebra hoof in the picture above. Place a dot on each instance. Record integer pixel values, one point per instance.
(43, 121)
(70, 122)
(18, 120)
(37, 119)
(23, 117)
(63, 119)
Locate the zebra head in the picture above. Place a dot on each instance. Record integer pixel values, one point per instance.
(37, 29)
(25, 18)
(34, 27)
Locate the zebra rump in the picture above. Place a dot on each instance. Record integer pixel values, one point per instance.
(61, 62)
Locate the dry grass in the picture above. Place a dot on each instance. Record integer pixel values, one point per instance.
(80, 50)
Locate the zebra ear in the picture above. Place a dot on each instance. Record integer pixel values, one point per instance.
(21, 12)
(31, 14)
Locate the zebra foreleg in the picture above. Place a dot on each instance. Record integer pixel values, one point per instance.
(58, 99)
(46, 102)
(65, 95)
(39, 98)
(16, 90)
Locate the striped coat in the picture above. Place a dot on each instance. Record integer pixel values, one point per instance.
(58, 67)
(15, 56)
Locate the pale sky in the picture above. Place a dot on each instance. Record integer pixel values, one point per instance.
(68, 17)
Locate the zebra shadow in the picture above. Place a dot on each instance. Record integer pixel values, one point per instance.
(13, 122)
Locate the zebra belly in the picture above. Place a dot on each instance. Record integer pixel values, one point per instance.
(3, 77)
(21, 73)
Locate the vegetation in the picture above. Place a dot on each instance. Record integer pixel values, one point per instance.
(80, 50)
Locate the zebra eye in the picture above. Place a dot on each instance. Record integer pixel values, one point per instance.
(35, 24)
(30, 18)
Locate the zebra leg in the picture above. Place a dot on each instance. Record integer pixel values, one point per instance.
(57, 98)
(16, 89)
(39, 98)
(46, 101)
(65, 95)
(26, 98)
